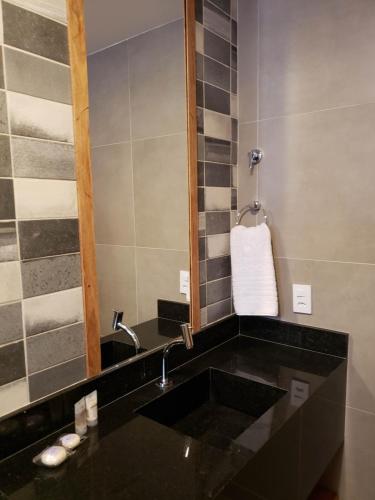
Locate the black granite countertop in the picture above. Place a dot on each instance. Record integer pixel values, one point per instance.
(128, 456)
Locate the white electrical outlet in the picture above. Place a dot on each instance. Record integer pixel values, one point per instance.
(302, 299)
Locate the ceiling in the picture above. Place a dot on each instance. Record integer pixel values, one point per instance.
(111, 21)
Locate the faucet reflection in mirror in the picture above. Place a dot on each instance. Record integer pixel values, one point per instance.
(118, 325)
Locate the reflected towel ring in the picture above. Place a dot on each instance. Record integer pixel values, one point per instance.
(254, 208)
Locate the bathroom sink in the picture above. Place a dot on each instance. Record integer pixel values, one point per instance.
(214, 407)
(114, 351)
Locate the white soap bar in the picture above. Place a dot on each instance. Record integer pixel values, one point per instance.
(70, 441)
(53, 456)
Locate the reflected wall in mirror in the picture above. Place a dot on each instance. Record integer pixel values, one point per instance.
(49, 313)
(138, 133)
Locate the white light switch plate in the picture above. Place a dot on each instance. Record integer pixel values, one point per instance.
(302, 299)
(185, 284)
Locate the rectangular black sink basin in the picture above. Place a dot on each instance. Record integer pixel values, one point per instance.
(214, 407)
(113, 352)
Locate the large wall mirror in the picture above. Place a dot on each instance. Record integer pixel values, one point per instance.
(139, 162)
(98, 188)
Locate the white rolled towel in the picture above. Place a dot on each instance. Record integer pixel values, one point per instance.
(253, 271)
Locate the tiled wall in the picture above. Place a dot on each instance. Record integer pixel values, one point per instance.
(217, 109)
(42, 345)
(313, 113)
(138, 134)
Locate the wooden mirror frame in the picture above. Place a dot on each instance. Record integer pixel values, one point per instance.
(80, 99)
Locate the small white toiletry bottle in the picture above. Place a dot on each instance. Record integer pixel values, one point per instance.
(80, 417)
(92, 409)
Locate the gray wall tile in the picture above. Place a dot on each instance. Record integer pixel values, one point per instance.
(217, 222)
(109, 95)
(202, 272)
(34, 117)
(219, 310)
(10, 283)
(43, 238)
(48, 312)
(218, 268)
(3, 114)
(217, 174)
(158, 98)
(42, 159)
(33, 33)
(38, 77)
(5, 162)
(336, 35)
(248, 59)
(50, 274)
(56, 378)
(160, 191)
(216, 73)
(54, 9)
(216, 99)
(12, 362)
(217, 150)
(216, 20)
(2, 86)
(224, 5)
(10, 323)
(7, 211)
(52, 348)
(8, 242)
(219, 290)
(216, 47)
(113, 194)
(199, 66)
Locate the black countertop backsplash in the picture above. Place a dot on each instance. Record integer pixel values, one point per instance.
(128, 456)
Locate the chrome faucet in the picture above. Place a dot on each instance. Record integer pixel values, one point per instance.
(187, 340)
(118, 325)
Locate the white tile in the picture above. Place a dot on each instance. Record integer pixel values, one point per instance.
(217, 198)
(199, 38)
(40, 198)
(34, 117)
(55, 9)
(54, 310)
(217, 125)
(10, 283)
(13, 396)
(218, 245)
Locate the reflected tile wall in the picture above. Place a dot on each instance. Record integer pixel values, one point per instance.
(40, 275)
(141, 217)
(216, 46)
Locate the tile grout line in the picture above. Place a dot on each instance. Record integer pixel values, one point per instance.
(98, 51)
(150, 138)
(327, 261)
(307, 113)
